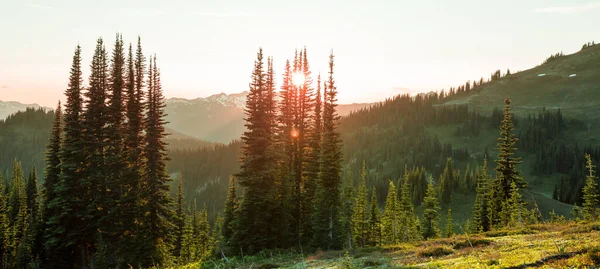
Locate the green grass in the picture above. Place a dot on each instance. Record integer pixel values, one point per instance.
(571, 245)
(577, 97)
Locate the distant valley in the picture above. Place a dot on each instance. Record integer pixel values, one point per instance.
(219, 117)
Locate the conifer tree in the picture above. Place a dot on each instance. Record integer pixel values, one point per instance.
(347, 208)
(326, 219)
(513, 208)
(431, 215)
(409, 223)
(360, 216)
(201, 234)
(5, 232)
(129, 208)
(31, 190)
(33, 214)
(156, 182)
(590, 192)
(285, 141)
(187, 243)
(94, 142)
(374, 232)
(179, 219)
(16, 191)
(65, 210)
(446, 182)
(391, 220)
(481, 221)
(313, 166)
(449, 224)
(231, 206)
(506, 170)
(258, 171)
(115, 158)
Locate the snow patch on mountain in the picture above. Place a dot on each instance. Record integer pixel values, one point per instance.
(237, 100)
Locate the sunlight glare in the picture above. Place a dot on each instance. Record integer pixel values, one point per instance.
(298, 79)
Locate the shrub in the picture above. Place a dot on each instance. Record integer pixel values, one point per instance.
(435, 252)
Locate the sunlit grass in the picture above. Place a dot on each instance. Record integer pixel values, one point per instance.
(570, 245)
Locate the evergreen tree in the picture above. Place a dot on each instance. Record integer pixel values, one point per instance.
(202, 235)
(65, 210)
(94, 142)
(360, 216)
(590, 192)
(431, 215)
(347, 207)
(179, 219)
(231, 207)
(447, 182)
(506, 170)
(449, 224)
(391, 221)
(326, 219)
(374, 232)
(481, 221)
(5, 232)
(258, 171)
(156, 182)
(285, 141)
(187, 243)
(130, 248)
(52, 169)
(31, 191)
(409, 223)
(115, 158)
(313, 166)
(513, 208)
(16, 191)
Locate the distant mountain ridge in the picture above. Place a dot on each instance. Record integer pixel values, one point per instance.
(219, 117)
(9, 107)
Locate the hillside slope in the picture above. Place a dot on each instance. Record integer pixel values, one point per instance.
(570, 82)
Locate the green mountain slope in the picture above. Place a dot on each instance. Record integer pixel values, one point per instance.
(570, 82)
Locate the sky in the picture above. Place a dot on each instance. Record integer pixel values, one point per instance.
(382, 47)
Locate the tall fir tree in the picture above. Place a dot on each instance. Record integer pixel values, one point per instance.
(590, 192)
(231, 206)
(157, 207)
(449, 224)
(63, 236)
(391, 218)
(313, 166)
(115, 158)
(506, 166)
(94, 143)
(348, 203)
(447, 182)
(326, 217)
(5, 232)
(481, 221)
(431, 214)
(179, 220)
(360, 216)
(285, 140)
(128, 210)
(408, 223)
(375, 235)
(257, 172)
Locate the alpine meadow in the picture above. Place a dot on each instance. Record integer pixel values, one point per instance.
(287, 162)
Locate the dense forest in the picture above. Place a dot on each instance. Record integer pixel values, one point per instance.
(94, 184)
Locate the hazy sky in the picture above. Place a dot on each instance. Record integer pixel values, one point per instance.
(208, 47)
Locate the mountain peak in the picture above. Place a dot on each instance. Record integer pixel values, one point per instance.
(237, 100)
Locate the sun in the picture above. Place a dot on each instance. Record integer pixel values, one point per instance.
(298, 79)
